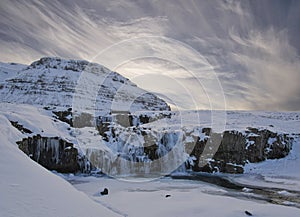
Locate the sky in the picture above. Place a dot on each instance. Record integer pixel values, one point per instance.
(196, 54)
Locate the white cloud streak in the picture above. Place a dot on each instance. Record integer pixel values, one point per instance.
(247, 44)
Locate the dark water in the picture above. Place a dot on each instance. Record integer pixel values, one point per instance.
(245, 191)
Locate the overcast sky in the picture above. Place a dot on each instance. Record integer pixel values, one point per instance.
(198, 54)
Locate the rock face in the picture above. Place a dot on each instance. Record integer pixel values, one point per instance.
(64, 116)
(53, 153)
(229, 151)
(128, 137)
(238, 148)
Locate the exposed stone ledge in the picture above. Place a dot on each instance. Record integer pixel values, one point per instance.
(53, 153)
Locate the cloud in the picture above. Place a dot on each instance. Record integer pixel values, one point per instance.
(48, 28)
(272, 68)
(174, 83)
(251, 48)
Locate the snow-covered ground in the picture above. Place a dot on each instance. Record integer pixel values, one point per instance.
(187, 198)
(279, 173)
(283, 122)
(267, 185)
(27, 189)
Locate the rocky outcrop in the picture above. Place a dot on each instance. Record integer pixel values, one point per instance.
(238, 148)
(64, 116)
(127, 136)
(209, 152)
(53, 153)
(20, 127)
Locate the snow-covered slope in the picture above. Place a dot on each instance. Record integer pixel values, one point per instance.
(29, 190)
(9, 70)
(74, 83)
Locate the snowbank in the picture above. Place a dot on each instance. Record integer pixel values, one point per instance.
(27, 189)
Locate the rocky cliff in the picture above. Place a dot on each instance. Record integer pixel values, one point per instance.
(238, 148)
(134, 148)
(203, 149)
(52, 152)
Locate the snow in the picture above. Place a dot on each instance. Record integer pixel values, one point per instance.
(283, 122)
(281, 173)
(9, 70)
(249, 143)
(286, 193)
(31, 190)
(272, 140)
(27, 189)
(73, 83)
(188, 198)
(36, 119)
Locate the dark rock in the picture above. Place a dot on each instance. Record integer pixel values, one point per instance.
(144, 119)
(104, 192)
(236, 149)
(197, 152)
(48, 62)
(151, 150)
(20, 127)
(51, 152)
(63, 116)
(248, 213)
(206, 131)
(168, 195)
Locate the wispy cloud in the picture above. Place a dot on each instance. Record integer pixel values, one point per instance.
(272, 70)
(250, 47)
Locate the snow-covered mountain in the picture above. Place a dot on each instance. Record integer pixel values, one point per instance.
(130, 126)
(57, 82)
(134, 134)
(9, 70)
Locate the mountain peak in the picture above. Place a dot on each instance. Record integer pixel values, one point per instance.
(59, 63)
(52, 81)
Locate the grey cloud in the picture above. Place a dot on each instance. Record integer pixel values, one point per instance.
(253, 46)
